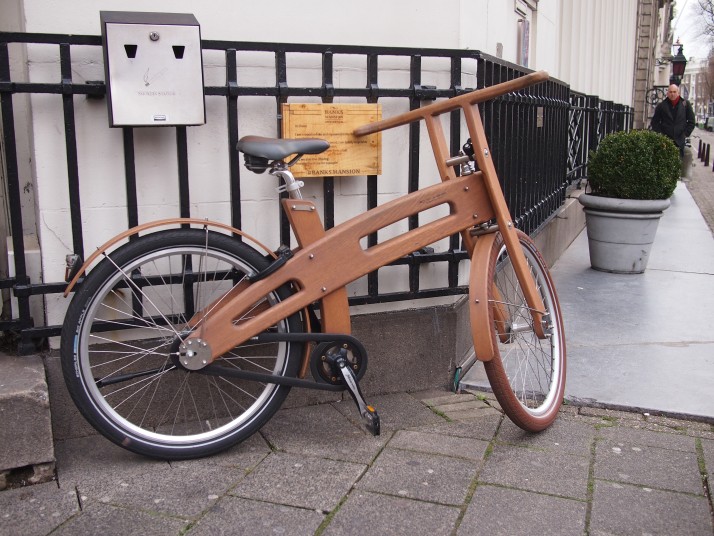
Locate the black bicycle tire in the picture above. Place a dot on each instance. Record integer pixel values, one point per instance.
(74, 324)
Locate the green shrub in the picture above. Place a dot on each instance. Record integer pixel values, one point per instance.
(639, 164)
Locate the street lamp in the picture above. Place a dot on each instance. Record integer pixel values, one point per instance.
(679, 63)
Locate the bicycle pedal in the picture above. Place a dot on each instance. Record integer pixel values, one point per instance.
(372, 420)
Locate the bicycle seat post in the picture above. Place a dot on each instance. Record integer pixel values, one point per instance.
(291, 185)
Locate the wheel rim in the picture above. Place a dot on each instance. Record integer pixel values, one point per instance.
(169, 405)
(532, 366)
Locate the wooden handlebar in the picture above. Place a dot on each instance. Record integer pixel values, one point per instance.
(438, 108)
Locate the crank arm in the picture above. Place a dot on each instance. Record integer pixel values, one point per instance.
(367, 412)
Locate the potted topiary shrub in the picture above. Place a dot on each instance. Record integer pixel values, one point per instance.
(632, 175)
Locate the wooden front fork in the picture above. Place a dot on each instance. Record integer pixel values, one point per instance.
(503, 218)
(482, 154)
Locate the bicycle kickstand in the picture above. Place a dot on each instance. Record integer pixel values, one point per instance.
(368, 413)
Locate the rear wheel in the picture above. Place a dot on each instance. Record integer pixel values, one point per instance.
(122, 332)
(528, 374)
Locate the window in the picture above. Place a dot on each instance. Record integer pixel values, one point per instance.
(524, 9)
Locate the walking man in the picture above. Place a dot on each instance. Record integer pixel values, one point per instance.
(674, 118)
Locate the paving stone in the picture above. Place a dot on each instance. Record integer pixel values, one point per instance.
(245, 455)
(638, 437)
(679, 424)
(449, 407)
(233, 515)
(368, 513)
(612, 413)
(456, 447)
(437, 398)
(180, 492)
(704, 434)
(563, 435)
(487, 395)
(322, 431)
(300, 481)
(708, 448)
(420, 476)
(109, 520)
(35, 510)
(566, 409)
(396, 411)
(483, 427)
(647, 511)
(103, 472)
(468, 414)
(697, 429)
(510, 512)
(649, 466)
(94, 465)
(535, 470)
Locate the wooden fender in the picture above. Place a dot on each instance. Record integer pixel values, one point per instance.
(151, 225)
(479, 284)
(211, 224)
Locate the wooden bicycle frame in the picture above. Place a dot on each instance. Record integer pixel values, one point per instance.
(326, 261)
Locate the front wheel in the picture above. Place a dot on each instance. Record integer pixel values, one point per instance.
(122, 333)
(527, 374)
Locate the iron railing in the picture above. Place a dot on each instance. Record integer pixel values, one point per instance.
(539, 139)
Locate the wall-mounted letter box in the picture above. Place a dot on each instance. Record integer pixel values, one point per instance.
(154, 68)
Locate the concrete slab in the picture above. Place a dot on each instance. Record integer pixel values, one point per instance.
(647, 511)
(658, 306)
(233, 515)
(25, 427)
(641, 342)
(36, 510)
(649, 467)
(564, 435)
(483, 427)
(107, 519)
(645, 377)
(420, 476)
(503, 511)
(399, 410)
(625, 457)
(322, 431)
(641, 436)
(301, 481)
(369, 513)
(430, 443)
(528, 469)
(644, 341)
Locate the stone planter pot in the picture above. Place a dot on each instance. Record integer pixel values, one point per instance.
(621, 232)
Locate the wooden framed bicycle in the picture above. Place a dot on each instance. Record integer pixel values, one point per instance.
(183, 342)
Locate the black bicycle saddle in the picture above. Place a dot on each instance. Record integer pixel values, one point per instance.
(278, 149)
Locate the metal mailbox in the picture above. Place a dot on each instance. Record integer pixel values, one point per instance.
(154, 68)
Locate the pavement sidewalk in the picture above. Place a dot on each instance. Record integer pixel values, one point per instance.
(450, 464)
(444, 464)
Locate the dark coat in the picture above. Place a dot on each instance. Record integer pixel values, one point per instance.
(675, 122)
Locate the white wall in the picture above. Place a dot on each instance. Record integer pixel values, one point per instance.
(597, 47)
(454, 24)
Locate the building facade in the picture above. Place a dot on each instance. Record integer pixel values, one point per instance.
(580, 43)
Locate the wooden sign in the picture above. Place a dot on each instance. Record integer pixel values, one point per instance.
(347, 155)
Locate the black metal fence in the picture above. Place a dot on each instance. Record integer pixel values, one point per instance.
(539, 138)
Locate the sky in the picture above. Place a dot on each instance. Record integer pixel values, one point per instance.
(686, 28)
